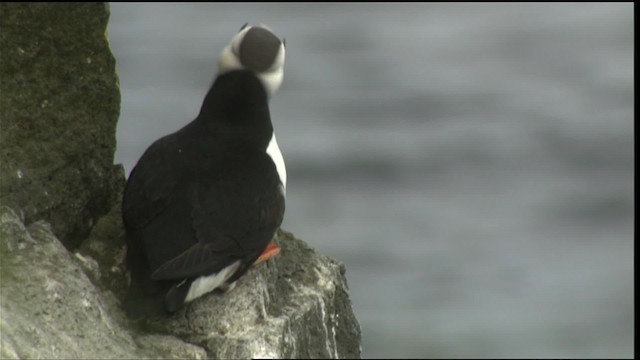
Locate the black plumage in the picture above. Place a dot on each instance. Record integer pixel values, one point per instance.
(204, 197)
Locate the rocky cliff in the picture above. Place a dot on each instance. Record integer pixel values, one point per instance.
(61, 238)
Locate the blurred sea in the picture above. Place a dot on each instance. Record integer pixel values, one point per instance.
(472, 164)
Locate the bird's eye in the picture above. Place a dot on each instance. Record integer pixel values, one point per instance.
(243, 26)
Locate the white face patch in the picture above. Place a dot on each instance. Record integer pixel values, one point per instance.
(206, 284)
(276, 156)
(230, 60)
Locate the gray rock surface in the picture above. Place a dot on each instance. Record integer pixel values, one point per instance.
(294, 306)
(58, 112)
(50, 309)
(57, 304)
(62, 273)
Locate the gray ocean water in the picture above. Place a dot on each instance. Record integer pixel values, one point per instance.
(471, 164)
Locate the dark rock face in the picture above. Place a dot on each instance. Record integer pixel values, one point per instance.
(58, 112)
(62, 273)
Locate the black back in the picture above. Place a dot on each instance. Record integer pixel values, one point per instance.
(205, 196)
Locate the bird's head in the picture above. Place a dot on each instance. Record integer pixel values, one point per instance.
(255, 48)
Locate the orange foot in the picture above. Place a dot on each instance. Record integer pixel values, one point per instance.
(271, 251)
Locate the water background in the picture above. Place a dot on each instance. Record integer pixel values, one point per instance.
(471, 164)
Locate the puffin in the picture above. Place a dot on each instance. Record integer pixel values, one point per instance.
(203, 204)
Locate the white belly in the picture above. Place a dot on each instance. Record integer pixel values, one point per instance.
(274, 152)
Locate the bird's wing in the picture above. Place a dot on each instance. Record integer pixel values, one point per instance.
(155, 205)
(150, 185)
(233, 219)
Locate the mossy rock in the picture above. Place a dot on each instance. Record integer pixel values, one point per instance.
(59, 107)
